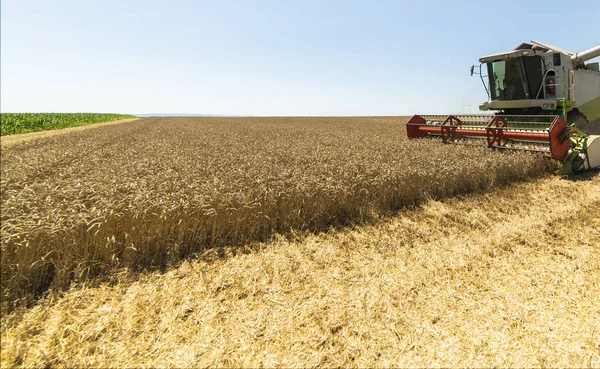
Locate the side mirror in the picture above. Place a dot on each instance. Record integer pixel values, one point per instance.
(472, 69)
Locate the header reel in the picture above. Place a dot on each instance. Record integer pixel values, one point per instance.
(540, 133)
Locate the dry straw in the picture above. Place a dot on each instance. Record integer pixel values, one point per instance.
(146, 194)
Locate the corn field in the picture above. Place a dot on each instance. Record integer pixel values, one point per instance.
(144, 195)
(13, 123)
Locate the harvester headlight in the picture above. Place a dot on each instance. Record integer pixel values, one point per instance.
(548, 106)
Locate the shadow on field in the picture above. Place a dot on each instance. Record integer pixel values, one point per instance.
(118, 274)
(585, 176)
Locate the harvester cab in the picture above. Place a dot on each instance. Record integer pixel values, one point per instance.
(544, 98)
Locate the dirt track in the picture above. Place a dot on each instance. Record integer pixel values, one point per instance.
(13, 139)
(507, 278)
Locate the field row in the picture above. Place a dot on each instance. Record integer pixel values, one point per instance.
(14, 123)
(148, 193)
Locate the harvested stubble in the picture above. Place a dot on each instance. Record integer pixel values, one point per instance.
(148, 193)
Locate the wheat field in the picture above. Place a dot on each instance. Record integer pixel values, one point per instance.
(147, 194)
(506, 278)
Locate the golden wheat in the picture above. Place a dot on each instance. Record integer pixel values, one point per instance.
(487, 280)
(151, 192)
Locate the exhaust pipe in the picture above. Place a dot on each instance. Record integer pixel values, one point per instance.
(586, 55)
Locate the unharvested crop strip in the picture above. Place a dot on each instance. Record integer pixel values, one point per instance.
(149, 193)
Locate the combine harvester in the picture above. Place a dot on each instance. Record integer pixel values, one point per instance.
(547, 99)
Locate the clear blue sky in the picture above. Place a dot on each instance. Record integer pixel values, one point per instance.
(268, 57)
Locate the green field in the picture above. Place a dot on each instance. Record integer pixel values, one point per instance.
(14, 123)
